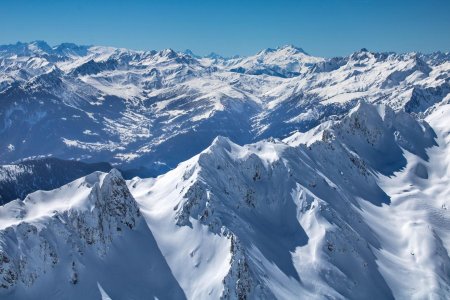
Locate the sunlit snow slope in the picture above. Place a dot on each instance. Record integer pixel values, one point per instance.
(354, 208)
(84, 240)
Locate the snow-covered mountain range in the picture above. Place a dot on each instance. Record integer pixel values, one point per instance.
(151, 110)
(291, 176)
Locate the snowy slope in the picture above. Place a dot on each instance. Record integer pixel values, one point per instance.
(138, 109)
(293, 212)
(415, 227)
(354, 208)
(20, 179)
(73, 243)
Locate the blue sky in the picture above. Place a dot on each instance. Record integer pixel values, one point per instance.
(321, 27)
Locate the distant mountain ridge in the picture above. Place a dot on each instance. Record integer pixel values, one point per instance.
(138, 109)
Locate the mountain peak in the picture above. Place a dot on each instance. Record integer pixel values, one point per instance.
(361, 55)
(190, 53)
(71, 48)
(214, 55)
(40, 47)
(221, 142)
(292, 48)
(40, 44)
(169, 53)
(287, 49)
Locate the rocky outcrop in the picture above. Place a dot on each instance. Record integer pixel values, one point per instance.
(33, 248)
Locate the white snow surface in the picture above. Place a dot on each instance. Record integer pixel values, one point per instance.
(355, 208)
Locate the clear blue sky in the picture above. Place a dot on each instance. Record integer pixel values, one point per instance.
(321, 27)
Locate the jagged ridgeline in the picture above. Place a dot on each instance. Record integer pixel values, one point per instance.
(355, 208)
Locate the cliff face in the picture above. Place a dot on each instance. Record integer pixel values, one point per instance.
(72, 235)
